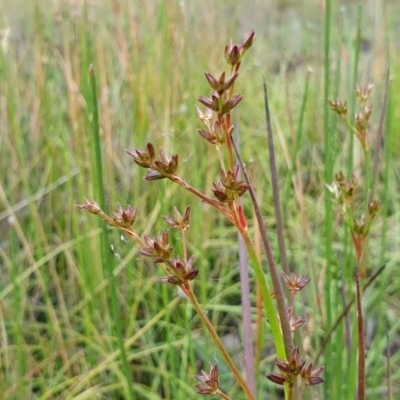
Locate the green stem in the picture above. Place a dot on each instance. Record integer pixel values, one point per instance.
(367, 167)
(192, 297)
(225, 123)
(266, 295)
(98, 171)
(282, 309)
(328, 175)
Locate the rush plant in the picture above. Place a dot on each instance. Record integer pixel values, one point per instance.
(179, 269)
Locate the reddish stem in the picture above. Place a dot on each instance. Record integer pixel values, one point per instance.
(361, 344)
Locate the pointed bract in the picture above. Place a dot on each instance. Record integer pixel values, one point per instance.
(209, 382)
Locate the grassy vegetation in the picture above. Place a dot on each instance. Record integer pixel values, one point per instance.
(82, 316)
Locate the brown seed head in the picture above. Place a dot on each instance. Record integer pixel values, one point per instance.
(179, 222)
(163, 167)
(296, 323)
(221, 85)
(373, 208)
(248, 42)
(288, 369)
(209, 382)
(232, 54)
(179, 272)
(339, 106)
(363, 95)
(158, 249)
(311, 377)
(211, 102)
(125, 218)
(231, 103)
(294, 283)
(216, 135)
(91, 207)
(142, 157)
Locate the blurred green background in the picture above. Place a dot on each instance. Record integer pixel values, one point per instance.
(59, 338)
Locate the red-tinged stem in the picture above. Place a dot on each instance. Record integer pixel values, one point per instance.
(202, 196)
(223, 395)
(134, 236)
(357, 246)
(193, 299)
(290, 392)
(342, 315)
(361, 344)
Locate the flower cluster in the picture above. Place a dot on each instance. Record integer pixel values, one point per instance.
(158, 169)
(158, 249)
(209, 382)
(229, 186)
(234, 52)
(221, 99)
(340, 107)
(179, 272)
(179, 222)
(344, 193)
(360, 124)
(296, 366)
(123, 219)
(294, 283)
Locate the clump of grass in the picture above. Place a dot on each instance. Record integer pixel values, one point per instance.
(59, 334)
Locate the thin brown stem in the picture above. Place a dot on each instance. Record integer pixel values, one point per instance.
(202, 196)
(361, 343)
(275, 187)
(290, 392)
(193, 299)
(342, 315)
(221, 394)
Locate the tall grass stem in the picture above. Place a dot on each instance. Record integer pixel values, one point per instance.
(97, 170)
